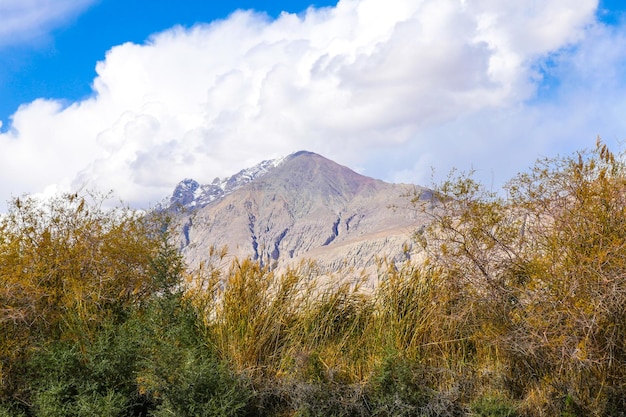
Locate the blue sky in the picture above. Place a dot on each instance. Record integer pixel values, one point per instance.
(60, 63)
(135, 96)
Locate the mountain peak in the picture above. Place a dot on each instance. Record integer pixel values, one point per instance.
(299, 171)
(189, 194)
(184, 193)
(297, 207)
(309, 173)
(300, 153)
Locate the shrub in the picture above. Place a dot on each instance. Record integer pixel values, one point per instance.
(95, 380)
(493, 406)
(201, 386)
(398, 388)
(179, 372)
(541, 278)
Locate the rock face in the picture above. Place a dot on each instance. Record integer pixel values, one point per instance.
(189, 194)
(303, 206)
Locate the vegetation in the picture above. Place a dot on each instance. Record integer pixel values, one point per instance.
(515, 310)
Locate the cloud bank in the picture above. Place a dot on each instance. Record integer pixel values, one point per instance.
(390, 88)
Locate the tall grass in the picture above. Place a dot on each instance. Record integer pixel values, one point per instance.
(431, 339)
(296, 332)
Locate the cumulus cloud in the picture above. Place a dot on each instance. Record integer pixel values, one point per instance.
(391, 88)
(581, 97)
(28, 20)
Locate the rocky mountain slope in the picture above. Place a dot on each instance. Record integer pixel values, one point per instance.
(303, 206)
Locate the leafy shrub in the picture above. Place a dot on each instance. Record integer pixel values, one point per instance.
(398, 388)
(493, 406)
(201, 386)
(179, 372)
(8, 410)
(97, 381)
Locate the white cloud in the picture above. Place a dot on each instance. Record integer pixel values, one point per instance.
(28, 20)
(384, 86)
(584, 98)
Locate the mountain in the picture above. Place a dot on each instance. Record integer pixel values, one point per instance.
(303, 206)
(189, 194)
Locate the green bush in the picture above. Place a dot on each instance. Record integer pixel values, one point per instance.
(493, 406)
(201, 386)
(398, 388)
(8, 410)
(97, 380)
(180, 373)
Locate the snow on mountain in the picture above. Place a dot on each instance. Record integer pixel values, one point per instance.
(191, 195)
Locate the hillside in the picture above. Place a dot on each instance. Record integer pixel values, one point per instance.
(303, 206)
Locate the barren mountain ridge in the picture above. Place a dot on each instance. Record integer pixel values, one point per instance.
(303, 206)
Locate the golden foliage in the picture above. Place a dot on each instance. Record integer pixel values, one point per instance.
(542, 273)
(65, 264)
